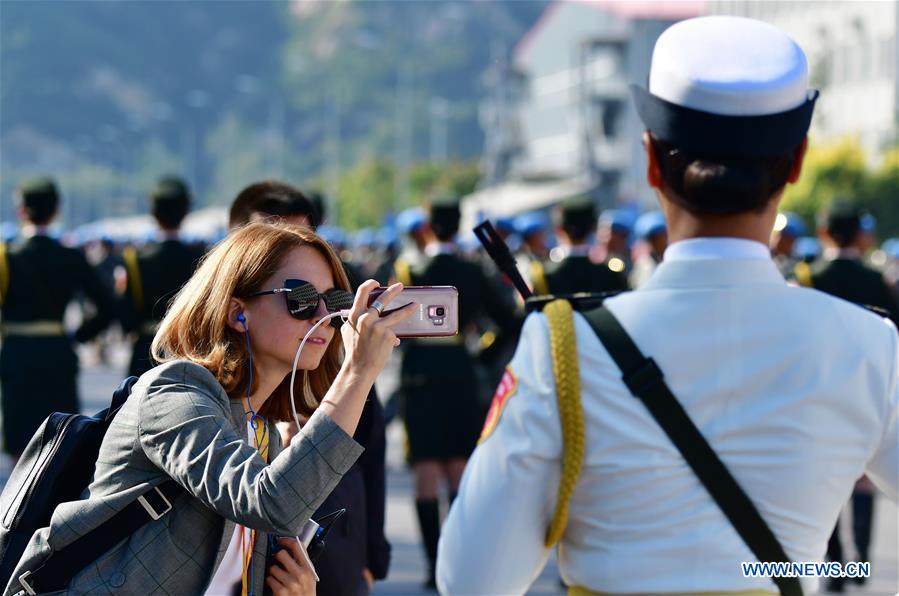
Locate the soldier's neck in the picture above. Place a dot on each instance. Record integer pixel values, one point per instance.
(29, 230)
(684, 225)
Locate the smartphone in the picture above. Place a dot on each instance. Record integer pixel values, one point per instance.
(437, 313)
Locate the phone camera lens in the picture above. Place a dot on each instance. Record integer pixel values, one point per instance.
(441, 311)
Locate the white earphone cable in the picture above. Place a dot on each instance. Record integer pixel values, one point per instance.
(293, 373)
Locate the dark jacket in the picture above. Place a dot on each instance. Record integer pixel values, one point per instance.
(162, 269)
(850, 279)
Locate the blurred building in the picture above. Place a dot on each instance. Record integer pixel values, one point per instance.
(558, 119)
(853, 60)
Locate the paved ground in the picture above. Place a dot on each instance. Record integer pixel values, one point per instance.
(407, 569)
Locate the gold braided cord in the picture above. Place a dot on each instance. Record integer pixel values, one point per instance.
(4, 272)
(803, 274)
(403, 272)
(538, 278)
(571, 415)
(129, 256)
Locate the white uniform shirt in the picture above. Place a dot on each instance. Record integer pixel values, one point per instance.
(794, 389)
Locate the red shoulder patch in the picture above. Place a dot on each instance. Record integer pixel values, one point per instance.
(507, 387)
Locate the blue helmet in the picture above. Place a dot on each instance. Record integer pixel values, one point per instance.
(891, 248)
(411, 220)
(790, 224)
(617, 219)
(387, 236)
(505, 225)
(649, 224)
(807, 248)
(362, 238)
(527, 224)
(867, 223)
(332, 235)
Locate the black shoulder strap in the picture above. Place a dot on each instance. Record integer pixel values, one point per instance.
(645, 380)
(64, 564)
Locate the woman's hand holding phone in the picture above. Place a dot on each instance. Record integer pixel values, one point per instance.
(368, 338)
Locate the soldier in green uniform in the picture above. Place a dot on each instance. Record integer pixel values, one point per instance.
(574, 271)
(38, 279)
(156, 272)
(441, 411)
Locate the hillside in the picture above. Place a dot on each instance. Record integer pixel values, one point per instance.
(111, 94)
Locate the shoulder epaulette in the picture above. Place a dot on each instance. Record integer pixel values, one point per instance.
(129, 256)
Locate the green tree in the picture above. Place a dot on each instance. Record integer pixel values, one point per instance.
(829, 171)
(880, 194)
(365, 194)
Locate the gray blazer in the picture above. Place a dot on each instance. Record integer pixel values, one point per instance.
(179, 423)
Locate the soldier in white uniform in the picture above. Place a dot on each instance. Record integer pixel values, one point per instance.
(796, 391)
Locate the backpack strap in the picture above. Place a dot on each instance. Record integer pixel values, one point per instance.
(129, 256)
(644, 379)
(4, 273)
(571, 415)
(64, 564)
(403, 272)
(803, 274)
(538, 278)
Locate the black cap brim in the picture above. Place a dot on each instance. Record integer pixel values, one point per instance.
(703, 133)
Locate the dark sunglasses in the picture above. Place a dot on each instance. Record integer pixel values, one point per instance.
(303, 299)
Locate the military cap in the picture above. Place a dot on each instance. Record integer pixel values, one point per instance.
(618, 220)
(891, 247)
(527, 224)
(363, 238)
(867, 223)
(649, 224)
(40, 198)
(410, 220)
(807, 248)
(727, 86)
(505, 225)
(332, 235)
(789, 224)
(387, 237)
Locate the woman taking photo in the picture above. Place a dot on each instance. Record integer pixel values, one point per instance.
(204, 418)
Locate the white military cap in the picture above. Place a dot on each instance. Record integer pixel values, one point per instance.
(727, 86)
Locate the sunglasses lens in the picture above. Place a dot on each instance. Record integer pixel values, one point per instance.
(337, 300)
(302, 300)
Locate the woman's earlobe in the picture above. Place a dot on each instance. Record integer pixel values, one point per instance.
(237, 318)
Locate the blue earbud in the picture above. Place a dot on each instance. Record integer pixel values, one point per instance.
(243, 321)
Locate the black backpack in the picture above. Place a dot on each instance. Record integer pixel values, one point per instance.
(56, 467)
